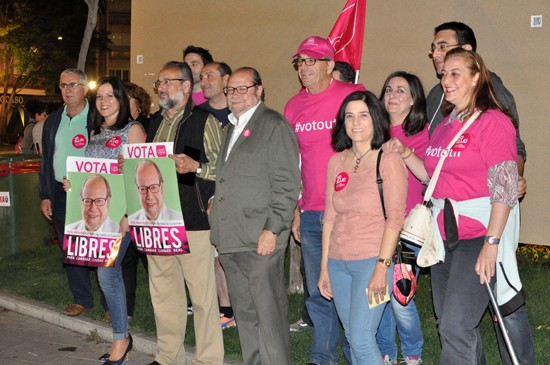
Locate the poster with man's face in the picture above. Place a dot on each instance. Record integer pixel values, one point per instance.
(96, 205)
(154, 211)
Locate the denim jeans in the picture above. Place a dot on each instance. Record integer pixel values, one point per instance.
(459, 303)
(322, 312)
(349, 280)
(78, 276)
(112, 285)
(520, 335)
(407, 322)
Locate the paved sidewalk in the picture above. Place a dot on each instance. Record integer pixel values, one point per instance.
(35, 333)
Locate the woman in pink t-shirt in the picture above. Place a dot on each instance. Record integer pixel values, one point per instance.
(357, 242)
(404, 100)
(479, 180)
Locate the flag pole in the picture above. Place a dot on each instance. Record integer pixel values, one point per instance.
(357, 76)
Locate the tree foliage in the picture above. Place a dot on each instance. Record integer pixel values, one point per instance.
(38, 39)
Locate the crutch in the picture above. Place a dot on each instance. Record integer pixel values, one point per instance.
(501, 323)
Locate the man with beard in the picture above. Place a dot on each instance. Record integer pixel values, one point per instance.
(197, 136)
(197, 58)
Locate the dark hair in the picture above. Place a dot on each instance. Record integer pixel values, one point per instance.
(143, 98)
(346, 71)
(34, 106)
(224, 68)
(202, 52)
(380, 122)
(416, 119)
(184, 69)
(483, 95)
(256, 78)
(120, 94)
(464, 34)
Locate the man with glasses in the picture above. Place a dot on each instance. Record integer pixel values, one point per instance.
(446, 37)
(95, 198)
(312, 113)
(256, 192)
(66, 133)
(197, 136)
(149, 185)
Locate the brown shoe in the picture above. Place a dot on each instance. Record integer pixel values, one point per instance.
(74, 310)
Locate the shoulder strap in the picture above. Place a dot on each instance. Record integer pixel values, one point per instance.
(444, 153)
(379, 181)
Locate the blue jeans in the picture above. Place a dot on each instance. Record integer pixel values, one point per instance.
(407, 322)
(349, 280)
(520, 335)
(112, 285)
(78, 276)
(459, 304)
(322, 312)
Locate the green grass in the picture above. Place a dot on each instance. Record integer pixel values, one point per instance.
(38, 274)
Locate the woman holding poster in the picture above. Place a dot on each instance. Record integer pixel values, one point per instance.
(113, 127)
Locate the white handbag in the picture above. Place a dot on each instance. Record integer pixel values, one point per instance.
(420, 224)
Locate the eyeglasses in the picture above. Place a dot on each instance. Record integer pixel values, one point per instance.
(442, 47)
(154, 188)
(72, 86)
(307, 61)
(238, 89)
(99, 202)
(164, 82)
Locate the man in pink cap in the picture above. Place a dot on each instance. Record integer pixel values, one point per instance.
(312, 114)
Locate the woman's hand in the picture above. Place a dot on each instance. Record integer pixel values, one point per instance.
(394, 145)
(378, 284)
(324, 284)
(486, 262)
(66, 184)
(124, 226)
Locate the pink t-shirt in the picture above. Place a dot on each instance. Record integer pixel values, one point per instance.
(490, 140)
(198, 97)
(418, 144)
(312, 116)
(354, 207)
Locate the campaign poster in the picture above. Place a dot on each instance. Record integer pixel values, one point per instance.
(95, 206)
(154, 211)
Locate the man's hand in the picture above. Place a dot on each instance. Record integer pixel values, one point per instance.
(522, 187)
(185, 164)
(46, 208)
(120, 163)
(266, 243)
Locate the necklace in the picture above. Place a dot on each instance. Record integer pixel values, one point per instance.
(358, 159)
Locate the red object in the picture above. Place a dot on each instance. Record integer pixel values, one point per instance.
(347, 34)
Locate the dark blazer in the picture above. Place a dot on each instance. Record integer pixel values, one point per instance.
(257, 187)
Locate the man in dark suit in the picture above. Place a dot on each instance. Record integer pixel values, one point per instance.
(257, 187)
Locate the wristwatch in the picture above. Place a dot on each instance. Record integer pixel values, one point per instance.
(492, 240)
(386, 262)
(198, 170)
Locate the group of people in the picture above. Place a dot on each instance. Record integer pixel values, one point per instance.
(318, 172)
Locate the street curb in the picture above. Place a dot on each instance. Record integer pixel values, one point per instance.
(142, 343)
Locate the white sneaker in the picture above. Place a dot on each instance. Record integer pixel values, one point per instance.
(299, 326)
(412, 360)
(388, 361)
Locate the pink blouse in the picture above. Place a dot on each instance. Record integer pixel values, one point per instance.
(353, 205)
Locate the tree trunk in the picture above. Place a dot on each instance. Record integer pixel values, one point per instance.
(295, 282)
(93, 6)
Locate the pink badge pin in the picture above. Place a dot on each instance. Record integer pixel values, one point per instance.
(246, 132)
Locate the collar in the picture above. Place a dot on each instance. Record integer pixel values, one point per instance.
(245, 117)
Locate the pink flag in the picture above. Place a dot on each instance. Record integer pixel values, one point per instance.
(347, 34)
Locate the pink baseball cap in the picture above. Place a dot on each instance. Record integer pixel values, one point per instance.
(316, 47)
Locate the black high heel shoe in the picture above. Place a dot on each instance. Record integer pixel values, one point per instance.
(104, 357)
(123, 358)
